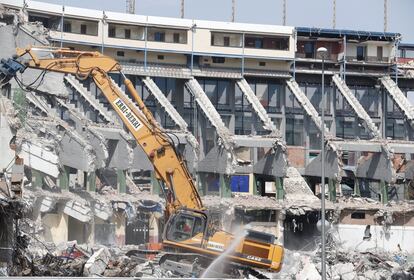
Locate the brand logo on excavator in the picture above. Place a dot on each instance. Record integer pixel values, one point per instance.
(128, 114)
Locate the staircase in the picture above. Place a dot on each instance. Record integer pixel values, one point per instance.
(257, 106)
(40, 104)
(94, 102)
(399, 98)
(307, 106)
(357, 107)
(210, 111)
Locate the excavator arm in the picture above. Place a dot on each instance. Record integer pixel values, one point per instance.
(189, 227)
(158, 146)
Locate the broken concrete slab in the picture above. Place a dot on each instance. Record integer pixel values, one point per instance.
(78, 211)
(97, 263)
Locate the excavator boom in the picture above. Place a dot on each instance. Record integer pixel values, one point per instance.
(157, 145)
(188, 228)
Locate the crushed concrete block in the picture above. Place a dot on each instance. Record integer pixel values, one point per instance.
(344, 271)
(309, 272)
(97, 263)
(78, 211)
(47, 204)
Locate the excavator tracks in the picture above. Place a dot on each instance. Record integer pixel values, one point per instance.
(194, 265)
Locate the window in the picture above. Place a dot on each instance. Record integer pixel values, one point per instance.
(262, 63)
(160, 57)
(67, 27)
(360, 53)
(258, 43)
(159, 36)
(112, 32)
(294, 132)
(120, 53)
(380, 53)
(176, 37)
(358, 215)
(217, 59)
(226, 41)
(309, 49)
(83, 28)
(127, 33)
(266, 42)
(184, 227)
(219, 39)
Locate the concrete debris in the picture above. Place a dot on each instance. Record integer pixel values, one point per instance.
(296, 187)
(309, 272)
(97, 263)
(345, 265)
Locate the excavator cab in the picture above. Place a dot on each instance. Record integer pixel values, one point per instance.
(186, 226)
(192, 231)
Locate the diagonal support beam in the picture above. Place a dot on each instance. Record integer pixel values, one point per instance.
(211, 113)
(165, 103)
(172, 112)
(357, 107)
(333, 155)
(86, 94)
(257, 106)
(308, 107)
(399, 98)
(388, 152)
(226, 156)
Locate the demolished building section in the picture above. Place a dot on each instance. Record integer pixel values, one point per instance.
(247, 124)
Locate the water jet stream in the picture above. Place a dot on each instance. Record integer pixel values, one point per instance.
(217, 265)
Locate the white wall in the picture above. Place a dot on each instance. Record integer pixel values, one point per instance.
(352, 238)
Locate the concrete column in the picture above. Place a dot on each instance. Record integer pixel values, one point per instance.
(91, 230)
(179, 95)
(283, 110)
(119, 219)
(382, 112)
(37, 179)
(225, 190)
(55, 227)
(254, 185)
(306, 130)
(280, 192)
(91, 182)
(64, 178)
(357, 191)
(232, 96)
(200, 134)
(384, 192)
(200, 185)
(155, 185)
(280, 229)
(121, 180)
(332, 189)
(332, 129)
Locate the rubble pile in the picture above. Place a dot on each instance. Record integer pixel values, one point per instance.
(347, 265)
(79, 261)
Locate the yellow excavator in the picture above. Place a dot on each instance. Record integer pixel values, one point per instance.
(189, 234)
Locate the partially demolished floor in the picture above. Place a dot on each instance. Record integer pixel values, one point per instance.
(106, 223)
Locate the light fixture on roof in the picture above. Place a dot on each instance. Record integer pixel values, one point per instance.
(322, 51)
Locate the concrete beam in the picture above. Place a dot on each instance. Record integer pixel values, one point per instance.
(333, 166)
(357, 107)
(399, 98)
(376, 166)
(78, 211)
(274, 163)
(257, 106)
